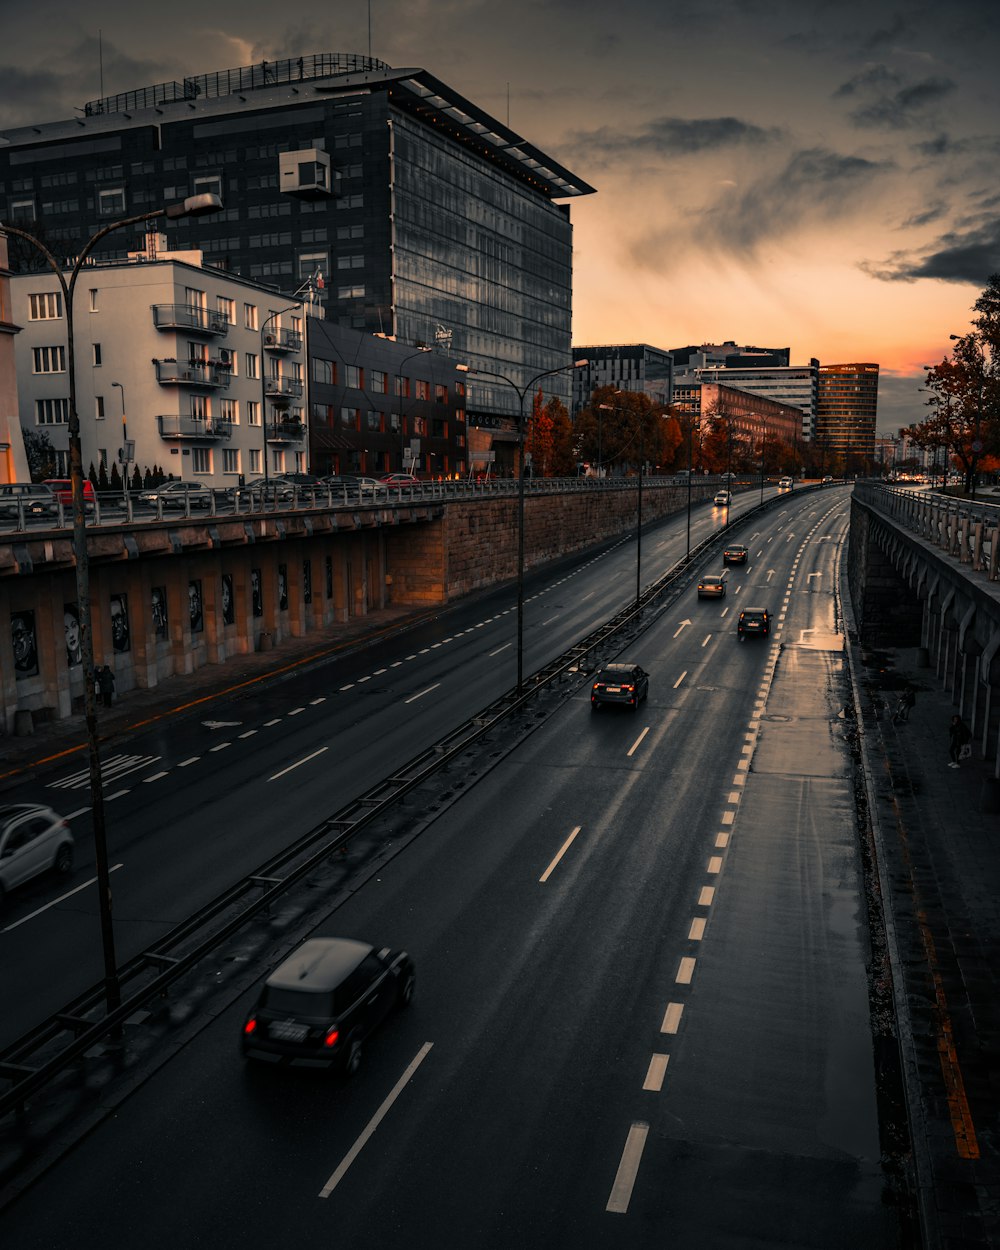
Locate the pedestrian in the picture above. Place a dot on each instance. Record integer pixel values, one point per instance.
(959, 741)
(906, 700)
(106, 682)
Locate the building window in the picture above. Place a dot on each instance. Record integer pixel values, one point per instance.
(313, 265)
(441, 393)
(460, 390)
(350, 262)
(378, 381)
(349, 418)
(46, 306)
(420, 427)
(300, 462)
(97, 354)
(325, 371)
(374, 421)
(229, 410)
(111, 201)
(402, 387)
(208, 184)
(350, 292)
(354, 377)
(22, 212)
(99, 407)
(423, 389)
(252, 365)
(201, 459)
(93, 299)
(253, 412)
(51, 411)
(199, 407)
(255, 459)
(226, 309)
(230, 460)
(48, 359)
(250, 316)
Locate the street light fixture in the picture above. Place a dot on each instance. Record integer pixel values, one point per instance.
(193, 206)
(521, 392)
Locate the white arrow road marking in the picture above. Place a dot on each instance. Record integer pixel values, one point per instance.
(812, 575)
(770, 574)
(683, 625)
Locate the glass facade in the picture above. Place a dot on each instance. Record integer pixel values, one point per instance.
(847, 409)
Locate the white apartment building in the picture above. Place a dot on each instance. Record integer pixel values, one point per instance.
(179, 368)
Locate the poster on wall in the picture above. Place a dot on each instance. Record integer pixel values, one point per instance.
(282, 587)
(74, 643)
(22, 638)
(120, 637)
(194, 604)
(228, 608)
(158, 606)
(256, 593)
(307, 581)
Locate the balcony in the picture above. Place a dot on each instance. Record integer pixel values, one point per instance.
(281, 391)
(207, 429)
(208, 375)
(282, 341)
(191, 318)
(285, 431)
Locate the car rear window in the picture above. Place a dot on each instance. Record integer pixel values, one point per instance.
(299, 1003)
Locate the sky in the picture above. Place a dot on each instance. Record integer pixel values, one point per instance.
(812, 175)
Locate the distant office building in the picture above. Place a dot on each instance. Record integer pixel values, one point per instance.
(846, 411)
(184, 369)
(728, 355)
(631, 367)
(13, 462)
(763, 370)
(749, 414)
(428, 219)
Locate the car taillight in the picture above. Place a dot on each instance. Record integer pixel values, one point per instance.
(331, 1037)
(250, 1026)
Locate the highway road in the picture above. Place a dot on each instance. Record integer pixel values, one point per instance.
(641, 1015)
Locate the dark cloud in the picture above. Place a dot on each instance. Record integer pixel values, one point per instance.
(879, 77)
(904, 108)
(677, 136)
(932, 213)
(957, 256)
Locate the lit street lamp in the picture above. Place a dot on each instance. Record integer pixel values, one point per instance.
(193, 206)
(520, 392)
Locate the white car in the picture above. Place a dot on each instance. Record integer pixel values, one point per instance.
(33, 839)
(723, 499)
(784, 483)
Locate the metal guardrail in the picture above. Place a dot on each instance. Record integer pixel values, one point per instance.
(966, 529)
(55, 1044)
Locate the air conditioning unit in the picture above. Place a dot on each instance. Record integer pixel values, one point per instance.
(269, 339)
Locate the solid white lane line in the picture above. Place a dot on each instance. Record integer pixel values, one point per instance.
(680, 679)
(621, 1190)
(685, 972)
(697, 931)
(637, 741)
(62, 897)
(656, 1072)
(414, 698)
(706, 896)
(298, 764)
(559, 854)
(374, 1122)
(491, 654)
(672, 1018)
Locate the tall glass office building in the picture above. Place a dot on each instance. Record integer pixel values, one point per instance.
(428, 219)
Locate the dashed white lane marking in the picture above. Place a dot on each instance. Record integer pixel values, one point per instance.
(118, 794)
(697, 930)
(313, 702)
(298, 764)
(559, 854)
(295, 711)
(707, 640)
(420, 694)
(191, 760)
(367, 677)
(722, 839)
(374, 1122)
(706, 896)
(685, 972)
(656, 1072)
(733, 798)
(715, 865)
(249, 733)
(221, 746)
(274, 721)
(728, 817)
(379, 671)
(349, 686)
(56, 901)
(632, 748)
(621, 1190)
(672, 1018)
(680, 679)
(491, 654)
(155, 777)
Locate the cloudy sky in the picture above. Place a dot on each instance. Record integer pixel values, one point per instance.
(815, 175)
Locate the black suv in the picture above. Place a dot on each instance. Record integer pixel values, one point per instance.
(619, 683)
(753, 622)
(319, 1005)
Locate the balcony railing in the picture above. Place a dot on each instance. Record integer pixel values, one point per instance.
(282, 388)
(282, 341)
(174, 426)
(285, 431)
(192, 373)
(191, 318)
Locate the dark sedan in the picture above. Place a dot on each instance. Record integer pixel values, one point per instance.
(624, 683)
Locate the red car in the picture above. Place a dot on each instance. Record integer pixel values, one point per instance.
(62, 491)
(399, 480)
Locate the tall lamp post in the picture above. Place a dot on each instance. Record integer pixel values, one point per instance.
(520, 392)
(125, 457)
(638, 535)
(692, 426)
(263, 376)
(421, 351)
(193, 206)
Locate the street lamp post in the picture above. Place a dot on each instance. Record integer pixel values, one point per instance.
(638, 535)
(399, 388)
(692, 426)
(193, 206)
(521, 392)
(763, 446)
(263, 381)
(125, 458)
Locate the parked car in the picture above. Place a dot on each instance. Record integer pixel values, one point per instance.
(33, 839)
(753, 622)
(320, 1004)
(396, 480)
(722, 499)
(734, 553)
(624, 683)
(28, 496)
(712, 586)
(62, 492)
(177, 495)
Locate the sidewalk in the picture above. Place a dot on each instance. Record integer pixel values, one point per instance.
(936, 831)
(192, 693)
